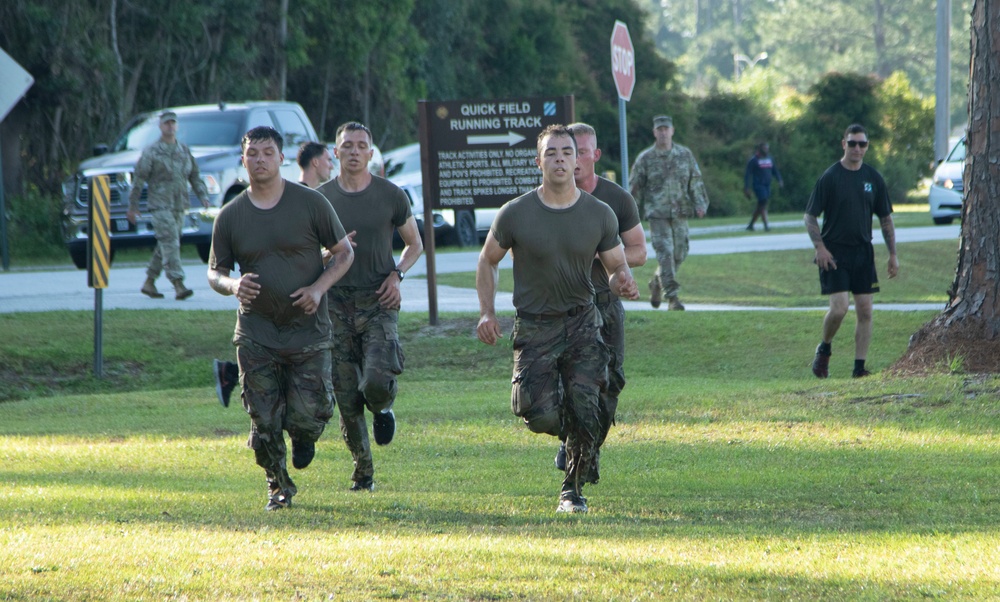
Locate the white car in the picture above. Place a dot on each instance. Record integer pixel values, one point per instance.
(468, 227)
(946, 192)
(444, 219)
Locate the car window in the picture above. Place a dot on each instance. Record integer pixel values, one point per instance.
(139, 136)
(402, 161)
(291, 127)
(258, 118)
(957, 153)
(216, 128)
(213, 128)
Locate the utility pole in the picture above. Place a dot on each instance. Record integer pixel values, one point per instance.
(942, 82)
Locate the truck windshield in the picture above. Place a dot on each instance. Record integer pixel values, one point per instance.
(213, 128)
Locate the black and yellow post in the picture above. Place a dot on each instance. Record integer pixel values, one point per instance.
(99, 258)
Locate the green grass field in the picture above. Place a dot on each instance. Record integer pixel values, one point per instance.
(732, 474)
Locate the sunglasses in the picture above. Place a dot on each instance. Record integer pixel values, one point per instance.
(861, 143)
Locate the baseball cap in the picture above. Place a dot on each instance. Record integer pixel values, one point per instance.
(662, 120)
(168, 116)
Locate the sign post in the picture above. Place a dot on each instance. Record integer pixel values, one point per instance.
(16, 82)
(623, 71)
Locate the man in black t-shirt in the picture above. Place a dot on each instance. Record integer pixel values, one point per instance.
(848, 194)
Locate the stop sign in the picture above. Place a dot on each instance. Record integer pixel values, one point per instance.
(622, 61)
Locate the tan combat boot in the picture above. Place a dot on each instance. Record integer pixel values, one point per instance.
(674, 304)
(655, 292)
(182, 291)
(149, 289)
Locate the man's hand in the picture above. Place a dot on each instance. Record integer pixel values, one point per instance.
(389, 295)
(824, 259)
(488, 329)
(309, 299)
(893, 266)
(700, 212)
(246, 289)
(132, 215)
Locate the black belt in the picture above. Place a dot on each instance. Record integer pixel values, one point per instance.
(523, 315)
(603, 298)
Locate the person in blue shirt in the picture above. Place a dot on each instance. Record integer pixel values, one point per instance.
(761, 169)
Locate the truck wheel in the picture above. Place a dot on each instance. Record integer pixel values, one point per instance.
(943, 221)
(78, 253)
(203, 251)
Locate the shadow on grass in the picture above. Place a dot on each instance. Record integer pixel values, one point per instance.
(647, 489)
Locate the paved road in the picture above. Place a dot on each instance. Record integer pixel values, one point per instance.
(66, 289)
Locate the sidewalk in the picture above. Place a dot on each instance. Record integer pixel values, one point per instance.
(66, 289)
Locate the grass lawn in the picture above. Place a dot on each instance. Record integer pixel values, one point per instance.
(732, 473)
(784, 278)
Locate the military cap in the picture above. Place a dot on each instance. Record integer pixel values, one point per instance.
(662, 120)
(168, 116)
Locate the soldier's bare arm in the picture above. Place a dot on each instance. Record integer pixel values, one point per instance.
(308, 298)
(620, 278)
(487, 277)
(389, 292)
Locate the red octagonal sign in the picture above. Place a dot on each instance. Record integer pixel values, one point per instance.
(622, 61)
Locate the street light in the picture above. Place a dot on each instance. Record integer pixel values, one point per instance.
(750, 62)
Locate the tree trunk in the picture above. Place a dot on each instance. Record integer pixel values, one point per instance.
(967, 332)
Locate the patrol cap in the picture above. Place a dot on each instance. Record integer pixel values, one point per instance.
(662, 120)
(168, 116)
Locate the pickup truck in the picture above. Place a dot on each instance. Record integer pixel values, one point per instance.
(213, 133)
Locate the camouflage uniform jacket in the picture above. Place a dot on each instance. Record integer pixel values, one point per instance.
(668, 184)
(167, 169)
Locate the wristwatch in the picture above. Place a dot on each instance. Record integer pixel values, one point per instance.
(399, 273)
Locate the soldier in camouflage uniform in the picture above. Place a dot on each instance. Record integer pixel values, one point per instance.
(168, 168)
(666, 181)
(275, 231)
(364, 305)
(560, 360)
(611, 308)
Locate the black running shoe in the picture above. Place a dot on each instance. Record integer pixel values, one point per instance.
(861, 373)
(224, 381)
(821, 363)
(365, 484)
(561, 457)
(384, 427)
(302, 453)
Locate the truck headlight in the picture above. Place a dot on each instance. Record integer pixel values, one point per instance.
(211, 181)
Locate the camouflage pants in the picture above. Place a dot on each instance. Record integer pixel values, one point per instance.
(560, 372)
(367, 357)
(670, 241)
(283, 390)
(613, 333)
(167, 224)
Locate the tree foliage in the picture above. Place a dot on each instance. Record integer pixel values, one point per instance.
(97, 62)
(805, 39)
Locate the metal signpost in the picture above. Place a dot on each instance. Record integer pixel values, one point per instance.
(16, 82)
(623, 71)
(478, 154)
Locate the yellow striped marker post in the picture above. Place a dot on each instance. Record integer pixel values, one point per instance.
(99, 259)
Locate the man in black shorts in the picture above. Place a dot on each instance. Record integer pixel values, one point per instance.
(848, 194)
